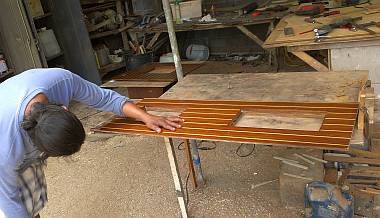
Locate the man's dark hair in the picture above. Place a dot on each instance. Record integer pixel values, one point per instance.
(53, 130)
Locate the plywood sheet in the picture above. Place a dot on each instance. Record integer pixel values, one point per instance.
(341, 86)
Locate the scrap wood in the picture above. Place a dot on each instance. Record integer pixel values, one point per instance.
(368, 189)
(285, 159)
(333, 158)
(263, 183)
(362, 153)
(314, 158)
(362, 181)
(304, 159)
(297, 176)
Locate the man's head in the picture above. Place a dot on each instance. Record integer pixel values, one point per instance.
(54, 130)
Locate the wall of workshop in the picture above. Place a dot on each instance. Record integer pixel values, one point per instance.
(224, 41)
(147, 6)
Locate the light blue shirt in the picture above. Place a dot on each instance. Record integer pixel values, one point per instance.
(60, 86)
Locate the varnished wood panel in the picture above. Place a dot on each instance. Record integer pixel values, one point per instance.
(214, 120)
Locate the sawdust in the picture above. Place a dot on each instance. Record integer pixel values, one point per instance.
(129, 176)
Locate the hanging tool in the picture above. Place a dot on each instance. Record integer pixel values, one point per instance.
(322, 31)
(310, 10)
(250, 8)
(364, 26)
(311, 20)
(326, 14)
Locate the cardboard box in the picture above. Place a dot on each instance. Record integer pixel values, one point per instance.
(188, 9)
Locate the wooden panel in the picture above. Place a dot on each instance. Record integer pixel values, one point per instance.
(213, 120)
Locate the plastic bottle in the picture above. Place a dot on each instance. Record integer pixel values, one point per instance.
(178, 18)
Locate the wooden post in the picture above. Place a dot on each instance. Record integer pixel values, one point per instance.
(176, 176)
(250, 35)
(173, 39)
(190, 162)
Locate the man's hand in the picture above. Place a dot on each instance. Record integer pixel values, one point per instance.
(153, 122)
(156, 123)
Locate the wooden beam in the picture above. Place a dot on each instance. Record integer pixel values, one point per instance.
(362, 153)
(310, 61)
(176, 176)
(250, 35)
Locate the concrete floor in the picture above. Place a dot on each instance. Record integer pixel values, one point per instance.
(129, 176)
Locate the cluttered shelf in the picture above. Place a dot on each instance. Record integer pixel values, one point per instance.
(221, 21)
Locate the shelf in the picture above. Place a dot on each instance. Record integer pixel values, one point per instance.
(42, 16)
(8, 73)
(104, 34)
(88, 2)
(54, 57)
(110, 67)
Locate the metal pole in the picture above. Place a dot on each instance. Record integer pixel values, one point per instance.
(197, 163)
(173, 39)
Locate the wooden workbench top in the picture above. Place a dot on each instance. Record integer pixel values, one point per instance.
(293, 86)
(278, 38)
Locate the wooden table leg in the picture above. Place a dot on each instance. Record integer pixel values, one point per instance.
(252, 36)
(176, 176)
(310, 61)
(190, 161)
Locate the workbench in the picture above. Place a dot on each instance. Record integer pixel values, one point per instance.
(337, 87)
(346, 49)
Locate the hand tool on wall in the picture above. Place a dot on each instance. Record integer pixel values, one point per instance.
(326, 14)
(322, 31)
(311, 20)
(364, 26)
(310, 10)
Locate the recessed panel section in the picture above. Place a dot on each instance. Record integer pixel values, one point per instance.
(275, 119)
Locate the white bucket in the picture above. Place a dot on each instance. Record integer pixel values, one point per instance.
(49, 43)
(167, 58)
(197, 52)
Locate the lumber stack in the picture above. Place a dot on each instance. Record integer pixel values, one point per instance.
(361, 174)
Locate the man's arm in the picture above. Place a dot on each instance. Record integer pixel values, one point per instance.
(108, 100)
